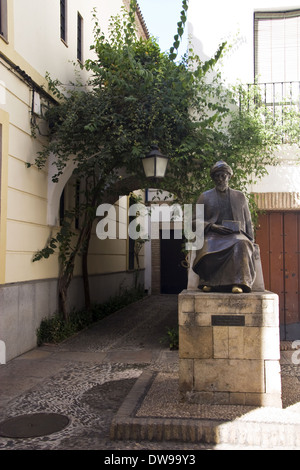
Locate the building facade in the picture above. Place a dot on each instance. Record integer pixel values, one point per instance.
(264, 36)
(39, 37)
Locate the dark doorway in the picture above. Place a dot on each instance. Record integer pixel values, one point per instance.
(173, 274)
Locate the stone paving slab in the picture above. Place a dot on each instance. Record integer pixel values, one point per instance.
(130, 357)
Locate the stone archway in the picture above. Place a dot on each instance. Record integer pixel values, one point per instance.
(154, 255)
(124, 186)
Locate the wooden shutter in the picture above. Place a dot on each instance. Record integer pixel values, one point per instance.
(63, 20)
(277, 46)
(79, 37)
(1, 18)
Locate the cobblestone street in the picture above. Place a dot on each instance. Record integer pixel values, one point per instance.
(88, 377)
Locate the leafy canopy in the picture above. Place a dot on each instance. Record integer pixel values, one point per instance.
(138, 96)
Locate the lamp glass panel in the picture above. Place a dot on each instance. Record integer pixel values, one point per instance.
(149, 165)
(161, 166)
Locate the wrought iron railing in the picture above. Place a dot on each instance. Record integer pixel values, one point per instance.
(279, 101)
(276, 95)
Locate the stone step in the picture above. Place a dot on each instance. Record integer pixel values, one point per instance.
(265, 428)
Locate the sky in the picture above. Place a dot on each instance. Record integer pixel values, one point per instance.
(161, 17)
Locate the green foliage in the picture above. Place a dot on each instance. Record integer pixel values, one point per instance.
(171, 338)
(63, 241)
(56, 328)
(138, 96)
(180, 31)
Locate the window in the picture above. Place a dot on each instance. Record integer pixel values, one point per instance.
(277, 46)
(3, 19)
(79, 36)
(63, 20)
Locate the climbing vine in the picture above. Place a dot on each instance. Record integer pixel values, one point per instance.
(138, 96)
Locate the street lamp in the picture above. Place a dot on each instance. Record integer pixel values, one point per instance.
(155, 163)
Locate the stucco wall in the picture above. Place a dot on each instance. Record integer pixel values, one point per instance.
(29, 211)
(25, 304)
(211, 23)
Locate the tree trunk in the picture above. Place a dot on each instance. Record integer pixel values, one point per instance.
(86, 232)
(82, 247)
(63, 285)
(85, 274)
(86, 284)
(65, 278)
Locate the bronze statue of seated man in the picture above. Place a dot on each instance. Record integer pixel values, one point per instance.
(226, 260)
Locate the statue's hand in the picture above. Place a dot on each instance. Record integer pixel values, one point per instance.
(221, 229)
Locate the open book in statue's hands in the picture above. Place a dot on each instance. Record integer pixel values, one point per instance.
(234, 225)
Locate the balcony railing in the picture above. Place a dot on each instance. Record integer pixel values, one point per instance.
(277, 94)
(279, 101)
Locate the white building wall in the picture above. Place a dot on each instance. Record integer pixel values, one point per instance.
(37, 33)
(211, 23)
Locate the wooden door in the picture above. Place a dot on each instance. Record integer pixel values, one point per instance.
(278, 235)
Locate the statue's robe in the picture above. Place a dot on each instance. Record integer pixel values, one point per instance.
(226, 260)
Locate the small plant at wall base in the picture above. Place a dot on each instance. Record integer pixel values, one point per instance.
(171, 338)
(56, 328)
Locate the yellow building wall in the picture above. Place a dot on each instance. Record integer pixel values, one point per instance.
(29, 202)
(24, 205)
(106, 256)
(4, 137)
(24, 189)
(109, 255)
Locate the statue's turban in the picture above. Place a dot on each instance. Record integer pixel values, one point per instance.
(221, 166)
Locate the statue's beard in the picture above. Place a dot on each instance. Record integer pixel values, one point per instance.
(221, 186)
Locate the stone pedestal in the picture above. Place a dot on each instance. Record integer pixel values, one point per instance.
(229, 348)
